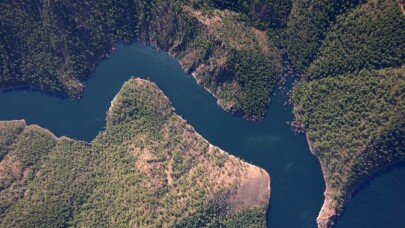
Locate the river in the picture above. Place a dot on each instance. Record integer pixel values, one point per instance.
(296, 179)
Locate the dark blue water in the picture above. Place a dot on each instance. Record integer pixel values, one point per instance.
(296, 179)
(380, 202)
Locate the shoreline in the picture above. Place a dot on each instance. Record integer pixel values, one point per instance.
(325, 202)
(236, 112)
(45, 130)
(194, 75)
(325, 219)
(77, 97)
(244, 164)
(63, 94)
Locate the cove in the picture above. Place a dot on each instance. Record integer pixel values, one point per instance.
(296, 178)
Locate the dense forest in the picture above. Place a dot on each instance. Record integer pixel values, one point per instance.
(307, 26)
(355, 124)
(351, 97)
(52, 46)
(149, 168)
(263, 14)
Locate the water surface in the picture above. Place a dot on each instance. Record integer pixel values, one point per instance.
(296, 179)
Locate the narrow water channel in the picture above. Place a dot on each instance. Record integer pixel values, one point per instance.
(296, 179)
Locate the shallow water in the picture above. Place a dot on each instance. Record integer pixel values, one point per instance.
(296, 179)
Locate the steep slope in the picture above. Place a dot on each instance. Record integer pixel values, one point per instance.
(148, 168)
(234, 61)
(308, 24)
(370, 37)
(351, 100)
(263, 14)
(23, 149)
(355, 125)
(52, 46)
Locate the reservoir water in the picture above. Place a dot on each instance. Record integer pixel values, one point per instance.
(296, 180)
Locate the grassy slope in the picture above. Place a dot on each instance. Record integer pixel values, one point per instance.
(351, 99)
(148, 168)
(53, 46)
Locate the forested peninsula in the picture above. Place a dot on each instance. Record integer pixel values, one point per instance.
(351, 98)
(149, 168)
(349, 53)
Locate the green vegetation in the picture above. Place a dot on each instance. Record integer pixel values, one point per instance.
(211, 216)
(262, 14)
(53, 46)
(241, 58)
(308, 24)
(254, 75)
(8, 135)
(50, 46)
(370, 37)
(355, 124)
(351, 98)
(349, 112)
(350, 101)
(57, 189)
(149, 168)
(23, 149)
